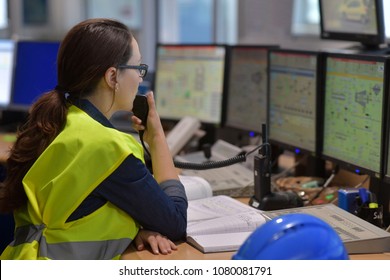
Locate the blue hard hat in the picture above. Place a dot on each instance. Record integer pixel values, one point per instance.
(295, 236)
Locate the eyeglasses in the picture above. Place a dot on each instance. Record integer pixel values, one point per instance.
(142, 68)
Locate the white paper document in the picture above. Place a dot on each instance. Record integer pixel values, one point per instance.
(220, 223)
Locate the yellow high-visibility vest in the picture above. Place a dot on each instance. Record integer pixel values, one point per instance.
(73, 165)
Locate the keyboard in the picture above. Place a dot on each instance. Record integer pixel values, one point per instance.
(225, 180)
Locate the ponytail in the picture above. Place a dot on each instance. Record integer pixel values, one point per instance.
(46, 120)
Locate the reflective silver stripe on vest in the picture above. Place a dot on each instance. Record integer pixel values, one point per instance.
(85, 250)
(27, 234)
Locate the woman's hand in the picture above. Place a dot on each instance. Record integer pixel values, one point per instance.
(163, 167)
(157, 242)
(153, 128)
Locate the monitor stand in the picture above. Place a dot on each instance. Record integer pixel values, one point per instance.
(311, 166)
(373, 50)
(364, 49)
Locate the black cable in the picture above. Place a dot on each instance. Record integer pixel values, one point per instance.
(241, 157)
(211, 164)
(141, 138)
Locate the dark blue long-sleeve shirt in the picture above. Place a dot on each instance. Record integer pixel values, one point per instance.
(132, 188)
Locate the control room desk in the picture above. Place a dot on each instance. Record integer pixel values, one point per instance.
(187, 252)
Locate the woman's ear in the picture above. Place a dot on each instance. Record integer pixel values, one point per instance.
(110, 77)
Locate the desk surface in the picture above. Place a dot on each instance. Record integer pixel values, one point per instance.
(187, 252)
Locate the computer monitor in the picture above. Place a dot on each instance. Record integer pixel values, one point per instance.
(35, 71)
(247, 85)
(189, 81)
(356, 93)
(360, 21)
(6, 70)
(294, 100)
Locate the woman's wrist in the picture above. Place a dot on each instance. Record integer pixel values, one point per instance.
(157, 139)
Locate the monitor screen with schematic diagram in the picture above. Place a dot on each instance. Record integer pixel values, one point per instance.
(189, 81)
(247, 87)
(294, 100)
(356, 94)
(360, 21)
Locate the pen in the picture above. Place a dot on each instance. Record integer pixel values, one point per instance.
(363, 196)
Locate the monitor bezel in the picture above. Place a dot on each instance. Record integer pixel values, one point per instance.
(229, 124)
(319, 108)
(386, 141)
(369, 41)
(349, 165)
(224, 83)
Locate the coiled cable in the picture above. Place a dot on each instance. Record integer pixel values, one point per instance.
(241, 157)
(211, 164)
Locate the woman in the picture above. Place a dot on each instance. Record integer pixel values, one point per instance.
(79, 188)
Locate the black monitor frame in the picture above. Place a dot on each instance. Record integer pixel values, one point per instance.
(386, 160)
(368, 41)
(300, 151)
(231, 123)
(350, 166)
(224, 83)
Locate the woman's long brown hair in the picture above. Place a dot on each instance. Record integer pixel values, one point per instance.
(86, 52)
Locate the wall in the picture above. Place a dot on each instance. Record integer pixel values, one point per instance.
(61, 16)
(260, 22)
(269, 22)
(64, 14)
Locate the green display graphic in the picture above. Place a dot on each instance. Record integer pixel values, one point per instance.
(353, 112)
(189, 82)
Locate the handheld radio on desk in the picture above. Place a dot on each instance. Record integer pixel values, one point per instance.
(264, 198)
